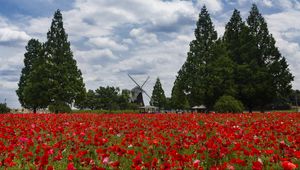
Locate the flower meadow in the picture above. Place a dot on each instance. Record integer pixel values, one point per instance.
(150, 141)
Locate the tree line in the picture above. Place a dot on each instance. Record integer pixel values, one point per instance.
(112, 98)
(244, 65)
(107, 98)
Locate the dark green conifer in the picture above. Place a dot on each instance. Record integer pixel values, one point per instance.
(66, 79)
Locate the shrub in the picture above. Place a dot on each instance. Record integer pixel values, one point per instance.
(228, 104)
(4, 108)
(59, 108)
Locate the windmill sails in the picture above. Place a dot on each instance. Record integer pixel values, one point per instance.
(137, 92)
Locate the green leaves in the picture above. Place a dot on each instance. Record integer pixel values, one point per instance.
(228, 104)
(108, 98)
(4, 108)
(32, 86)
(192, 75)
(66, 80)
(158, 98)
(50, 75)
(245, 63)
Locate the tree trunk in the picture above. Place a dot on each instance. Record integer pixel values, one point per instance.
(34, 110)
(250, 109)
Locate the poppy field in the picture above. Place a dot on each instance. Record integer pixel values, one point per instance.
(150, 141)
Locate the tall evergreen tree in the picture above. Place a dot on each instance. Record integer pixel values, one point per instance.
(158, 97)
(195, 71)
(66, 79)
(273, 78)
(233, 36)
(221, 75)
(37, 87)
(178, 96)
(33, 49)
(240, 46)
(35, 98)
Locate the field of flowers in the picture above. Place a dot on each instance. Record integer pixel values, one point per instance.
(150, 141)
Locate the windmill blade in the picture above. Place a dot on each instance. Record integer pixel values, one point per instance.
(134, 81)
(146, 93)
(145, 81)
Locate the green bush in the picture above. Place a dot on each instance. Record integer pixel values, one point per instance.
(4, 108)
(105, 111)
(228, 104)
(59, 108)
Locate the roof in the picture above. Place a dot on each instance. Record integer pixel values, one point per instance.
(199, 107)
(148, 107)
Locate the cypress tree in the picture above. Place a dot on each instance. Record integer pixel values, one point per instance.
(233, 36)
(221, 76)
(158, 97)
(240, 46)
(66, 79)
(272, 76)
(195, 71)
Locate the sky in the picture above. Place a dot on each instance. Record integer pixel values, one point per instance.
(113, 38)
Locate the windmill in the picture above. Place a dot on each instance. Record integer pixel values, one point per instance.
(137, 92)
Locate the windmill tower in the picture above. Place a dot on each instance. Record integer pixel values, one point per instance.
(137, 92)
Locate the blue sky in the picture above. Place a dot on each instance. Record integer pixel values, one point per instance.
(111, 38)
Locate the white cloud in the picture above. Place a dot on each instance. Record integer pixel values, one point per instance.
(143, 37)
(242, 2)
(107, 42)
(95, 57)
(212, 5)
(285, 28)
(11, 33)
(37, 27)
(267, 3)
(284, 21)
(7, 34)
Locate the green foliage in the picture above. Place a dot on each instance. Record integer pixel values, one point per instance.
(32, 87)
(241, 49)
(234, 36)
(106, 98)
(50, 76)
(33, 50)
(272, 76)
(294, 98)
(158, 97)
(221, 79)
(178, 96)
(4, 108)
(168, 105)
(245, 64)
(59, 108)
(228, 104)
(123, 100)
(66, 83)
(129, 111)
(88, 101)
(194, 71)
